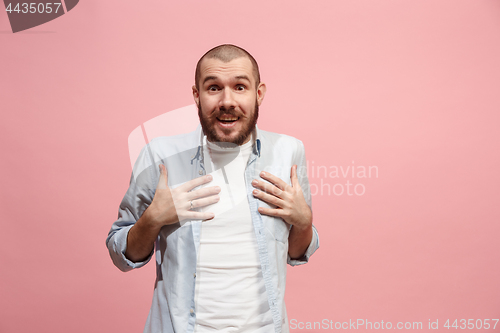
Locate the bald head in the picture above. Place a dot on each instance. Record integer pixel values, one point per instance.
(226, 53)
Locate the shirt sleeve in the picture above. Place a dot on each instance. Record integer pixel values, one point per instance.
(306, 190)
(313, 246)
(138, 197)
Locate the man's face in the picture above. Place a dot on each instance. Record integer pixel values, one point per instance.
(227, 99)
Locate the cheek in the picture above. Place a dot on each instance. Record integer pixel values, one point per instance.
(248, 107)
(212, 102)
(208, 106)
(244, 102)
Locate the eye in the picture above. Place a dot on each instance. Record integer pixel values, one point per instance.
(213, 88)
(240, 87)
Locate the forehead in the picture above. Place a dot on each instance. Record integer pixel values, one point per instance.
(241, 66)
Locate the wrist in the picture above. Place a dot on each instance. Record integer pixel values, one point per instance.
(302, 227)
(150, 218)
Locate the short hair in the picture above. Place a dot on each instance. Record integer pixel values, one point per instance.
(226, 53)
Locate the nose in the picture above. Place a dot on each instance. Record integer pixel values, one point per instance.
(227, 101)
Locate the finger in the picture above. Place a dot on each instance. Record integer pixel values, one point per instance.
(163, 181)
(274, 180)
(268, 198)
(190, 215)
(205, 201)
(293, 176)
(188, 186)
(268, 188)
(203, 192)
(272, 212)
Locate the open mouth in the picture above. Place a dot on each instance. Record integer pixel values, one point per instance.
(227, 120)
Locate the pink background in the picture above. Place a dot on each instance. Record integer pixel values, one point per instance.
(410, 87)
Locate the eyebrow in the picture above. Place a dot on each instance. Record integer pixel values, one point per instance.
(208, 78)
(243, 77)
(239, 77)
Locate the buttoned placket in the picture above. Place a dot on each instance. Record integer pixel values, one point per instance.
(261, 236)
(198, 169)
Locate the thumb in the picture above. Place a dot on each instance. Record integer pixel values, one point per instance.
(293, 176)
(163, 181)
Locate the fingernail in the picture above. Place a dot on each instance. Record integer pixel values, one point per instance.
(217, 189)
(255, 192)
(211, 215)
(262, 173)
(254, 182)
(209, 177)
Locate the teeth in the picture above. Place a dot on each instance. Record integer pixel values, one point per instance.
(228, 119)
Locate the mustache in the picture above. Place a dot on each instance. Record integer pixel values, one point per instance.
(229, 112)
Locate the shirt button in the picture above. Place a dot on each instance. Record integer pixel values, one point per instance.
(191, 311)
(194, 274)
(200, 172)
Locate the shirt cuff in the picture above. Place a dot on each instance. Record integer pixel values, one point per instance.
(313, 246)
(119, 242)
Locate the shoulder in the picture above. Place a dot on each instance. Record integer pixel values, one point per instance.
(167, 145)
(280, 141)
(162, 149)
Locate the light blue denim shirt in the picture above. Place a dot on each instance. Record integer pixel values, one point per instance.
(173, 306)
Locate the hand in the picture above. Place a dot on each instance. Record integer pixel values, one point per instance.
(289, 200)
(171, 206)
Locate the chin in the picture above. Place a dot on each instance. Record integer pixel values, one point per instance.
(232, 138)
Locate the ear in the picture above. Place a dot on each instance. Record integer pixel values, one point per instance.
(261, 92)
(196, 96)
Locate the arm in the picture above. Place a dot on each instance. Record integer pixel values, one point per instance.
(296, 235)
(141, 238)
(169, 207)
(299, 240)
(131, 243)
(138, 197)
(143, 234)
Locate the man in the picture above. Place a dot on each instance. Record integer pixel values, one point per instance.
(222, 239)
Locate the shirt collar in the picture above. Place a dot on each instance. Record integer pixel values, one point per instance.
(257, 141)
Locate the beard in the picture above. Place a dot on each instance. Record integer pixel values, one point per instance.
(208, 126)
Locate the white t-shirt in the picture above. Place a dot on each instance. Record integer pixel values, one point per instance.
(230, 295)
